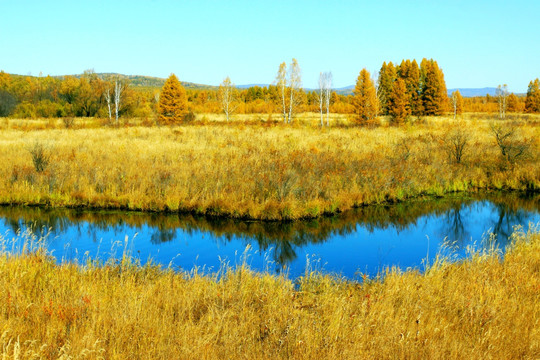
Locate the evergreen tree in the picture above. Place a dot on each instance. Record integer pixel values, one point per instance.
(532, 101)
(398, 104)
(387, 76)
(443, 91)
(172, 104)
(410, 73)
(434, 93)
(365, 101)
(403, 70)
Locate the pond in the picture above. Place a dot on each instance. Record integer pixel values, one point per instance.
(364, 241)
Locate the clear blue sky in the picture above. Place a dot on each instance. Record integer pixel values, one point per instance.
(477, 43)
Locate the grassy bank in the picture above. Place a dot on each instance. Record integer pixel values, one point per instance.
(258, 169)
(485, 307)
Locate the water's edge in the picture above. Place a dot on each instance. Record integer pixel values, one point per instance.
(365, 239)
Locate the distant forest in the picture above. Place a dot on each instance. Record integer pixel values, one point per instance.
(91, 95)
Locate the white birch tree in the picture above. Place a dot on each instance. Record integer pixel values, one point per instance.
(295, 85)
(281, 83)
(119, 88)
(502, 99)
(327, 95)
(324, 94)
(227, 96)
(114, 96)
(321, 93)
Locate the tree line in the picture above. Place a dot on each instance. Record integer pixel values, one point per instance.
(86, 96)
(398, 91)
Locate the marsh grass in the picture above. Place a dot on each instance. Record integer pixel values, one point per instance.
(256, 169)
(487, 306)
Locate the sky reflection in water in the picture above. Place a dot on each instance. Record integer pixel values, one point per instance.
(366, 240)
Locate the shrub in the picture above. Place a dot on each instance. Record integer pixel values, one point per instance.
(49, 109)
(25, 110)
(189, 116)
(68, 122)
(455, 142)
(511, 143)
(40, 157)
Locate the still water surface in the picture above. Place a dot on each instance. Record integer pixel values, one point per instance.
(366, 240)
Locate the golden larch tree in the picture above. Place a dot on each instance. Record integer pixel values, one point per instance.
(398, 104)
(172, 105)
(365, 102)
(514, 103)
(532, 101)
(410, 73)
(387, 76)
(434, 93)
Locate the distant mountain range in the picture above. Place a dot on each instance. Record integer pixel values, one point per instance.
(247, 86)
(348, 90)
(471, 92)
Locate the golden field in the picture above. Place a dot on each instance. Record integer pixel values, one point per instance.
(254, 167)
(486, 307)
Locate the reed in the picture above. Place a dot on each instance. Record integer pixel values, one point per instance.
(485, 307)
(258, 169)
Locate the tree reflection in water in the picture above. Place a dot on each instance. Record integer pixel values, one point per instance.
(509, 210)
(284, 238)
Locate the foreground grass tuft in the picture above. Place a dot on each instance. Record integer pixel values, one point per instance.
(486, 307)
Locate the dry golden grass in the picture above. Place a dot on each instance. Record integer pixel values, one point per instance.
(482, 308)
(252, 168)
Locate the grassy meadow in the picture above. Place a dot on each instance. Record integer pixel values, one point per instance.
(486, 307)
(255, 167)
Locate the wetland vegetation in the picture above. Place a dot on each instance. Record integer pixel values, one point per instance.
(486, 306)
(218, 173)
(263, 170)
(274, 174)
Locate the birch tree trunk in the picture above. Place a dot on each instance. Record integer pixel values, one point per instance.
(321, 94)
(108, 99)
(118, 89)
(502, 96)
(325, 90)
